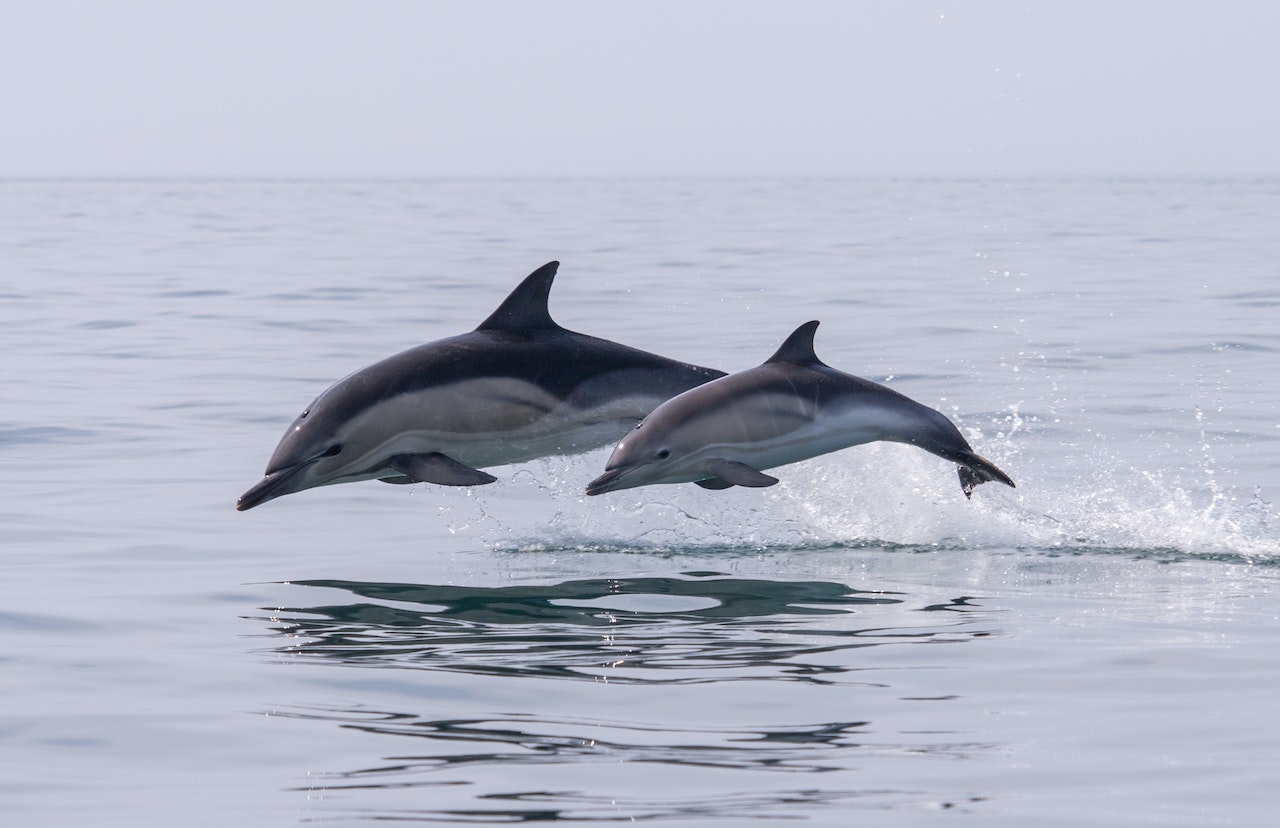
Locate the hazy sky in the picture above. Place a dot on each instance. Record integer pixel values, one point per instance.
(393, 87)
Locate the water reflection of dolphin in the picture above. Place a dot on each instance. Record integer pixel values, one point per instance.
(586, 601)
(791, 408)
(707, 640)
(516, 388)
(692, 628)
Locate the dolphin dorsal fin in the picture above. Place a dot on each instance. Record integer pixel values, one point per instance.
(526, 307)
(798, 349)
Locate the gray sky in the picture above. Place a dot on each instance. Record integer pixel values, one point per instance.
(399, 88)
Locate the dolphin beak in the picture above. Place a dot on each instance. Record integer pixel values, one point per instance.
(607, 482)
(270, 487)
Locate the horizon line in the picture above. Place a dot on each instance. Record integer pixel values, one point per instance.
(881, 176)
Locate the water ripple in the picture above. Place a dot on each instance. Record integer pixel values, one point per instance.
(560, 806)
(517, 743)
(559, 760)
(696, 629)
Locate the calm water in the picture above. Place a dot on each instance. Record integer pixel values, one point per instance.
(1100, 646)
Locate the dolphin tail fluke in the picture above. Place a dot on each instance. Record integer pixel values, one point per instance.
(975, 470)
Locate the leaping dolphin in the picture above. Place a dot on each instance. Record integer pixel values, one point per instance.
(517, 387)
(791, 408)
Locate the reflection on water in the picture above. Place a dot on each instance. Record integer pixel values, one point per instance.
(697, 628)
(527, 740)
(681, 643)
(466, 749)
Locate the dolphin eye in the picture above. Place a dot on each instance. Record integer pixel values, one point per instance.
(304, 414)
(332, 451)
(664, 454)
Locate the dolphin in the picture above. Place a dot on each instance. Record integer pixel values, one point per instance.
(791, 408)
(517, 387)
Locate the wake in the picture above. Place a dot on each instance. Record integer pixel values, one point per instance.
(879, 495)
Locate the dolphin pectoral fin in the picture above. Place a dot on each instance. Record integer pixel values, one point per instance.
(398, 479)
(737, 474)
(975, 470)
(436, 468)
(714, 483)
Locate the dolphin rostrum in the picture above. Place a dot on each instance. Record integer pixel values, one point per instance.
(517, 387)
(791, 408)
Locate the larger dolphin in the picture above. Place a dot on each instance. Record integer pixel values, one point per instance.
(791, 408)
(517, 387)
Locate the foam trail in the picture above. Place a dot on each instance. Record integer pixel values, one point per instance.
(1122, 508)
(881, 494)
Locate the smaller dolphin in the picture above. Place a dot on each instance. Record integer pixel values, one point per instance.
(517, 387)
(791, 408)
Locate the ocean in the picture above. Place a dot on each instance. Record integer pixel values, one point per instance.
(856, 645)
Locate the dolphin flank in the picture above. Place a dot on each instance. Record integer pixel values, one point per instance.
(793, 407)
(517, 387)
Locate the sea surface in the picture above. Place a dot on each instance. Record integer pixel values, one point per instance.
(857, 645)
